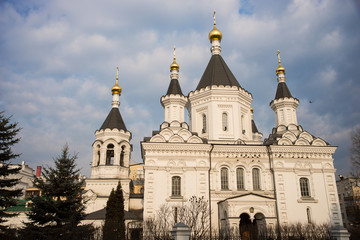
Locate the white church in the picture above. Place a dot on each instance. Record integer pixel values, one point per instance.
(220, 155)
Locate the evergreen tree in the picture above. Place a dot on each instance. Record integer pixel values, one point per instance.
(8, 132)
(60, 208)
(114, 227)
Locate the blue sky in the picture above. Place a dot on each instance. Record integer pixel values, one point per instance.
(58, 63)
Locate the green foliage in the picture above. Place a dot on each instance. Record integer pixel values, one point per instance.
(60, 208)
(8, 133)
(114, 227)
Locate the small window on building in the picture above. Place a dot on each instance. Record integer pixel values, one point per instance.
(176, 186)
(122, 155)
(203, 123)
(304, 187)
(256, 179)
(175, 214)
(224, 178)
(240, 179)
(308, 213)
(98, 158)
(224, 122)
(110, 154)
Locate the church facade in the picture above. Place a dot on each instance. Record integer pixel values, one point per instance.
(221, 156)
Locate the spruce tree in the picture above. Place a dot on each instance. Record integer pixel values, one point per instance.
(8, 133)
(60, 208)
(114, 227)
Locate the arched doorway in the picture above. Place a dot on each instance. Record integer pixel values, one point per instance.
(252, 230)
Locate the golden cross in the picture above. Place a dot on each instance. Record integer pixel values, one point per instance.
(278, 55)
(117, 73)
(214, 18)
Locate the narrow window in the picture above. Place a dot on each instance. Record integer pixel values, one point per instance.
(308, 213)
(176, 186)
(224, 121)
(204, 123)
(224, 179)
(110, 154)
(242, 124)
(256, 179)
(175, 214)
(98, 159)
(240, 178)
(122, 156)
(304, 187)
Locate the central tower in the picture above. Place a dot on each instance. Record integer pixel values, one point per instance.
(219, 108)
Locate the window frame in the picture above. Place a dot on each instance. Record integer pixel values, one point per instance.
(304, 187)
(176, 186)
(240, 180)
(224, 178)
(256, 179)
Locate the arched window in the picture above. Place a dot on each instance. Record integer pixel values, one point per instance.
(240, 178)
(204, 123)
(110, 154)
(308, 213)
(176, 186)
(304, 187)
(224, 178)
(224, 122)
(256, 179)
(122, 155)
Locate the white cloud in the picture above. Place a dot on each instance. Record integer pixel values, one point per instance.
(59, 59)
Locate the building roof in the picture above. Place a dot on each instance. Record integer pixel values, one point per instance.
(100, 215)
(253, 126)
(217, 73)
(174, 88)
(282, 91)
(114, 120)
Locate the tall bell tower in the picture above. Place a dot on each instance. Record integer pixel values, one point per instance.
(111, 157)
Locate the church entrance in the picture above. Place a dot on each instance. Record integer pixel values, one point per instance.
(252, 230)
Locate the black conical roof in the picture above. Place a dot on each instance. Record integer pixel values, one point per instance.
(114, 120)
(174, 88)
(282, 91)
(253, 127)
(217, 73)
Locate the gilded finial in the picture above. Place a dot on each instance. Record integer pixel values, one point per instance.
(214, 18)
(215, 33)
(174, 65)
(280, 68)
(116, 88)
(117, 74)
(278, 55)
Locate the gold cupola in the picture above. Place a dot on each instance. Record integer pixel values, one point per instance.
(280, 68)
(116, 89)
(174, 65)
(215, 33)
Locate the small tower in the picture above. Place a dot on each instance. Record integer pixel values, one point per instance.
(111, 156)
(174, 101)
(284, 105)
(219, 108)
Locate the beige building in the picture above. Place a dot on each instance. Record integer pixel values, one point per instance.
(349, 198)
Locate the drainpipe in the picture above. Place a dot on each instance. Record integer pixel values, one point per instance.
(211, 149)
(271, 161)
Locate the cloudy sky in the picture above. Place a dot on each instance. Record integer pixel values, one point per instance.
(58, 63)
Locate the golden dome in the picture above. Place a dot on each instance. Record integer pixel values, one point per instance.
(174, 64)
(215, 33)
(116, 88)
(280, 68)
(251, 110)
